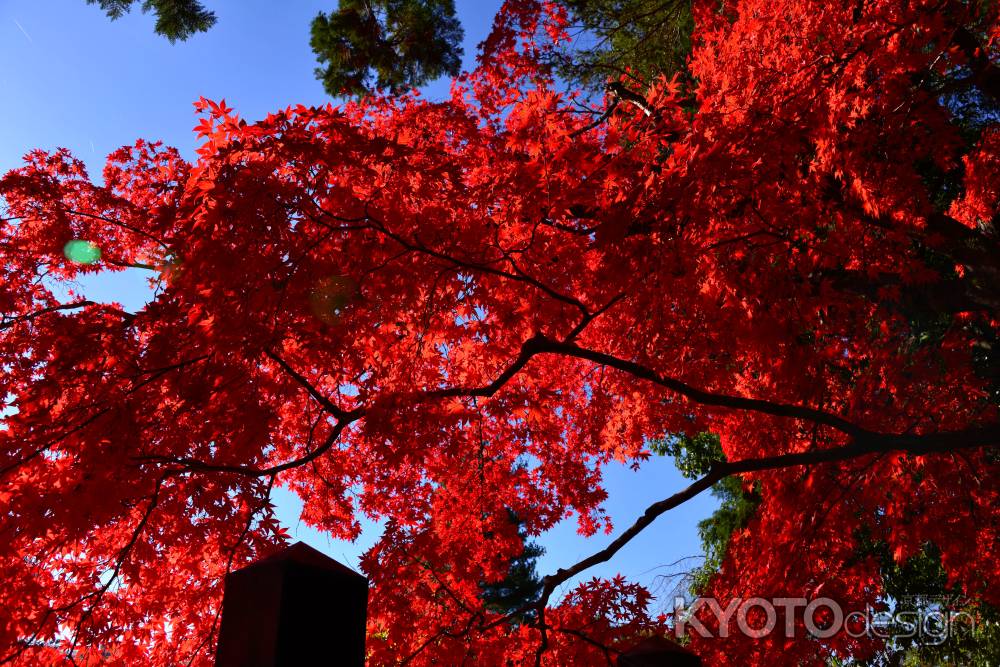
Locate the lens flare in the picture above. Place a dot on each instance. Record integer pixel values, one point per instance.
(79, 251)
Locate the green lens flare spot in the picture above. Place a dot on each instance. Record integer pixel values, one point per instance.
(81, 252)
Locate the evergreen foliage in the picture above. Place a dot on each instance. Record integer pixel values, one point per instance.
(175, 19)
(390, 45)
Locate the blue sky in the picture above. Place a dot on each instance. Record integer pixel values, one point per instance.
(72, 78)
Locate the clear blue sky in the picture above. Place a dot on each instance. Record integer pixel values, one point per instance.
(72, 78)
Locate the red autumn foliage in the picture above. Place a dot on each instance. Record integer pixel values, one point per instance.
(437, 313)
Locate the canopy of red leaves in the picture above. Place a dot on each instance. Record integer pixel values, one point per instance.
(437, 313)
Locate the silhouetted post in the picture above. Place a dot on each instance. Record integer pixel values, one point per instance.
(658, 652)
(293, 609)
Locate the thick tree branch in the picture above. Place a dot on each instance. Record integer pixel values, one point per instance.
(980, 437)
(696, 395)
(539, 344)
(529, 349)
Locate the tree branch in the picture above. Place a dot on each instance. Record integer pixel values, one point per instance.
(329, 405)
(980, 437)
(9, 322)
(700, 396)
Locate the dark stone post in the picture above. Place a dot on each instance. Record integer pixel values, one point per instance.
(658, 652)
(295, 608)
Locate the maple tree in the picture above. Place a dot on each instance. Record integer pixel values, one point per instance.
(447, 314)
